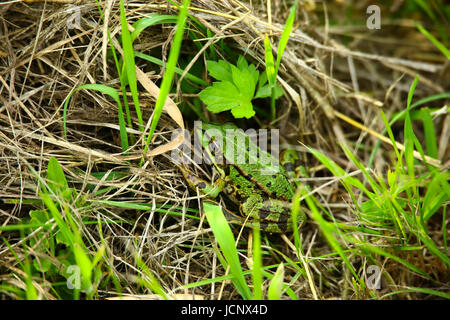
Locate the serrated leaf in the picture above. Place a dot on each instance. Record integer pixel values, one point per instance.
(62, 238)
(235, 89)
(38, 216)
(263, 92)
(43, 264)
(278, 91)
(266, 91)
(235, 96)
(219, 70)
(221, 96)
(242, 63)
(245, 110)
(243, 80)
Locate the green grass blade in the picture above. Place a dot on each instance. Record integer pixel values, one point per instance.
(69, 237)
(409, 134)
(375, 187)
(84, 263)
(340, 173)
(270, 64)
(328, 230)
(257, 265)
(212, 49)
(400, 115)
(113, 94)
(146, 22)
(151, 282)
(179, 71)
(444, 227)
(170, 70)
(391, 136)
(420, 290)
(428, 241)
(435, 41)
(129, 64)
(285, 35)
(30, 290)
(276, 285)
(430, 134)
(226, 241)
(379, 251)
(436, 195)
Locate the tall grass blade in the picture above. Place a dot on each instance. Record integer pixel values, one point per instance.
(285, 35)
(269, 60)
(226, 241)
(276, 285)
(170, 70)
(400, 115)
(435, 41)
(129, 64)
(150, 282)
(430, 134)
(257, 265)
(409, 134)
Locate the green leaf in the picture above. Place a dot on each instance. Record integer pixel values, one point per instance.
(242, 63)
(245, 110)
(235, 89)
(276, 285)
(266, 91)
(220, 70)
(38, 216)
(43, 264)
(257, 275)
(262, 80)
(221, 96)
(254, 72)
(224, 95)
(55, 176)
(244, 81)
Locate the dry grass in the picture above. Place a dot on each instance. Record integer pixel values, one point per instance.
(330, 74)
